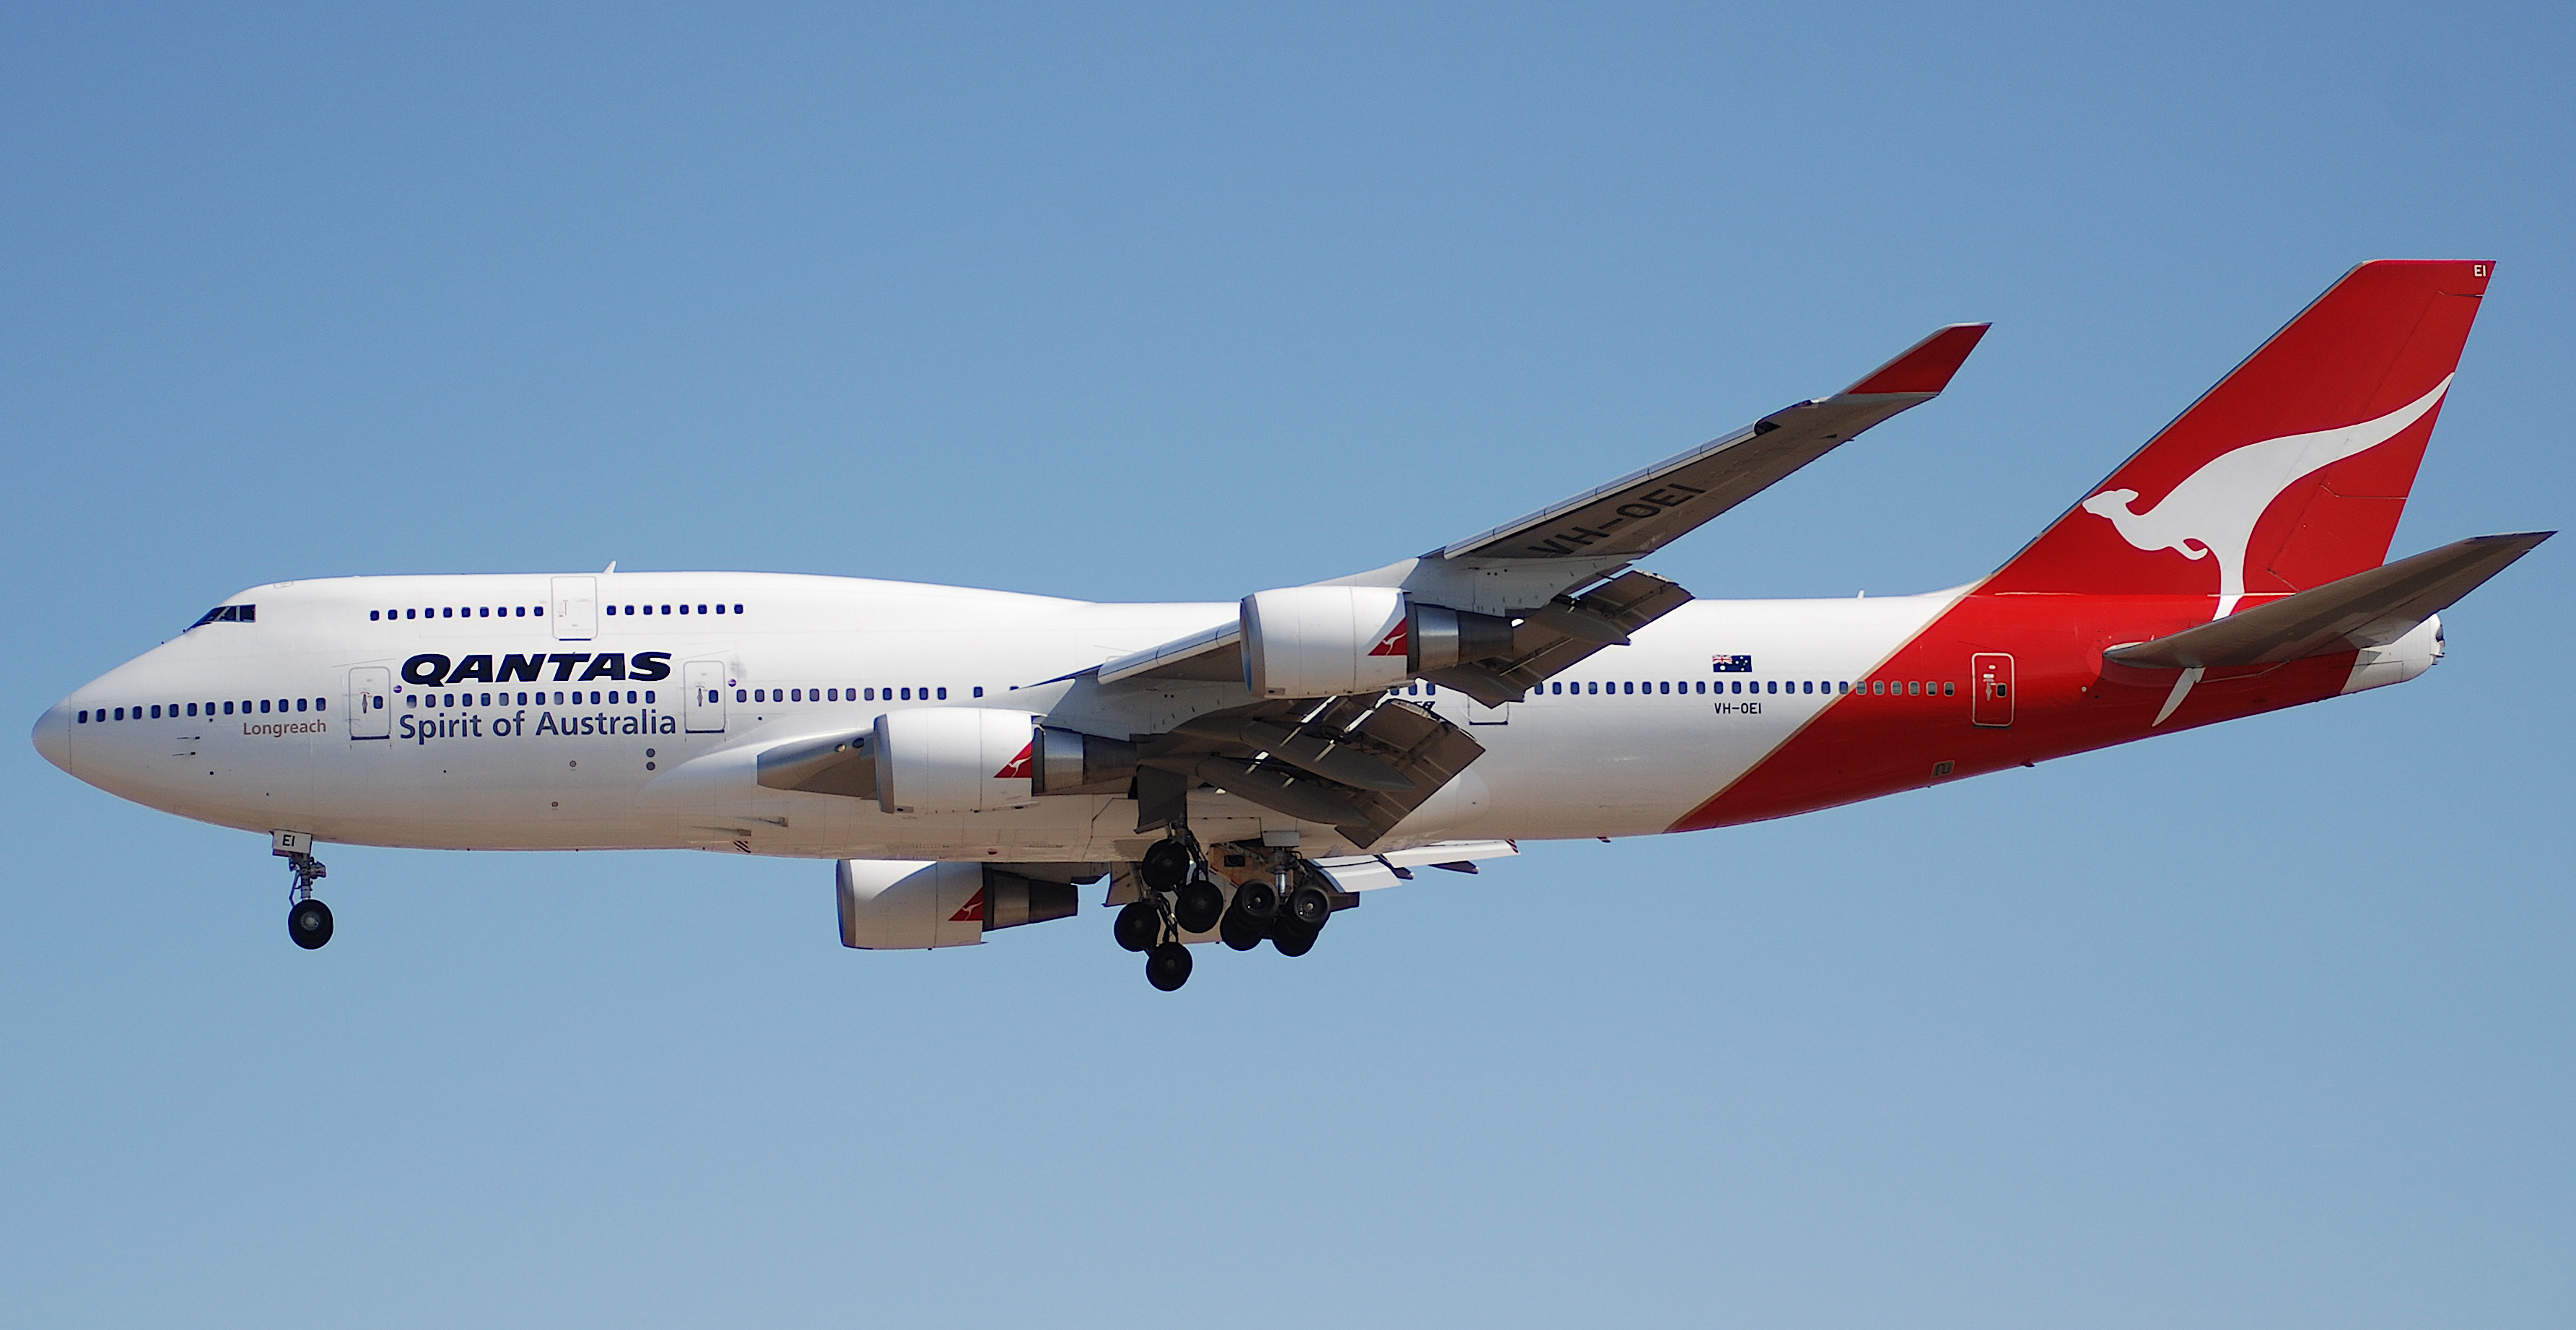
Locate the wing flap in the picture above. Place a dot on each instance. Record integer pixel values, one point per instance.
(1277, 754)
(1371, 872)
(2367, 609)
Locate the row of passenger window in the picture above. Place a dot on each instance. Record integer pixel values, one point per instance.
(613, 696)
(595, 697)
(488, 612)
(630, 609)
(1830, 687)
(844, 694)
(463, 612)
(254, 707)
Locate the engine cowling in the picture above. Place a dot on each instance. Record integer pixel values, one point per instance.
(900, 905)
(1322, 641)
(952, 759)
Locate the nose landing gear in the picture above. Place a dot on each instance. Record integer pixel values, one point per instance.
(308, 921)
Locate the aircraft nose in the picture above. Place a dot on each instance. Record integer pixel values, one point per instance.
(54, 735)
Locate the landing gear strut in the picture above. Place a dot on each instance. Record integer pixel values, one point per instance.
(308, 921)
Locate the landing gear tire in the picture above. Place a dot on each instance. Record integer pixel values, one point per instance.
(1257, 898)
(1138, 927)
(1239, 930)
(1165, 866)
(1167, 966)
(1200, 904)
(309, 923)
(1308, 905)
(1293, 938)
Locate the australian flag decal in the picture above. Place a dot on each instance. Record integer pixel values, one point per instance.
(1730, 664)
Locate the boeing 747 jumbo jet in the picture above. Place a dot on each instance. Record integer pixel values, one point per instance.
(1246, 772)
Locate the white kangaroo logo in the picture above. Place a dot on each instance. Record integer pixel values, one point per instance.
(2214, 510)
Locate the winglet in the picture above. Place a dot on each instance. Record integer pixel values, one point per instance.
(1925, 367)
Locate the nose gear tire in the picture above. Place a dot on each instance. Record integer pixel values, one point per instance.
(309, 923)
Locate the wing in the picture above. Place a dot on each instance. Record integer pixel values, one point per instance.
(1643, 511)
(1536, 570)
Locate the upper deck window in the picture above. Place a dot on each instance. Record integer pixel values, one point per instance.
(228, 614)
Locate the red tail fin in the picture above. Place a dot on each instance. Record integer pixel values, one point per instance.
(2293, 470)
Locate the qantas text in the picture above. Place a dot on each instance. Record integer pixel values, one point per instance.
(431, 670)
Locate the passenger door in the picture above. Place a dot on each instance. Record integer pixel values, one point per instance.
(705, 710)
(369, 717)
(576, 608)
(1990, 678)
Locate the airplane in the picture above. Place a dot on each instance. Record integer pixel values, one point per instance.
(1243, 773)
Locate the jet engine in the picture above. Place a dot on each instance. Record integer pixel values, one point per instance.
(894, 905)
(952, 759)
(1322, 641)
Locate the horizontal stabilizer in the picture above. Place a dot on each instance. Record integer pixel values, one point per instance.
(2367, 609)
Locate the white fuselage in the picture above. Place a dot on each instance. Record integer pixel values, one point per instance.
(277, 723)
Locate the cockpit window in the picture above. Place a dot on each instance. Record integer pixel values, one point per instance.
(229, 614)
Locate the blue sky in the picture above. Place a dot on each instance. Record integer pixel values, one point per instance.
(2261, 1025)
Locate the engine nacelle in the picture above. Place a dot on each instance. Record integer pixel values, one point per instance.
(2399, 661)
(952, 759)
(897, 905)
(1322, 641)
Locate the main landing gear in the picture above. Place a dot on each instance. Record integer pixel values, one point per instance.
(308, 921)
(1178, 898)
(1183, 895)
